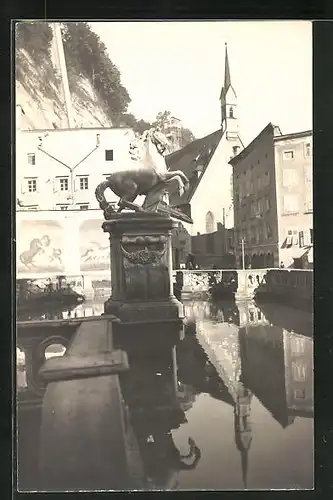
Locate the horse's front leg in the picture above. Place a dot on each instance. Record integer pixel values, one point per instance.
(184, 177)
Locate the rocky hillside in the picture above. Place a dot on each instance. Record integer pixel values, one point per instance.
(39, 87)
(97, 94)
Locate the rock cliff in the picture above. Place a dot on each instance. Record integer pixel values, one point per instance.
(39, 91)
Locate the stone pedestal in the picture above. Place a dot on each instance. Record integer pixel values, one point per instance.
(141, 269)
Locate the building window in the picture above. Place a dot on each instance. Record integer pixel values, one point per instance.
(289, 241)
(289, 177)
(63, 183)
(31, 158)
(84, 207)
(253, 234)
(290, 204)
(299, 394)
(297, 345)
(260, 206)
(109, 155)
(295, 237)
(63, 207)
(267, 204)
(308, 202)
(301, 239)
(307, 149)
(32, 185)
(311, 236)
(288, 155)
(83, 183)
(267, 179)
(235, 150)
(210, 223)
(231, 112)
(308, 174)
(299, 371)
(268, 231)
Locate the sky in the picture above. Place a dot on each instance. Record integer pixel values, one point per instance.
(179, 66)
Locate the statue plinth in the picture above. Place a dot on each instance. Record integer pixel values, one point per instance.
(141, 269)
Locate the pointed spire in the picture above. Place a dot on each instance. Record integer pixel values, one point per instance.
(227, 80)
(245, 461)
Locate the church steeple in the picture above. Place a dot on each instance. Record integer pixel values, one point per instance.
(243, 428)
(227, 80)
(228, 99)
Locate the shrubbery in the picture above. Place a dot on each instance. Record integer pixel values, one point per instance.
(85, 54)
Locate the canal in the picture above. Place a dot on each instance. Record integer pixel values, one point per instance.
(244, 385)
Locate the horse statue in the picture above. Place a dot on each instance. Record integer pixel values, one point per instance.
(147, 174)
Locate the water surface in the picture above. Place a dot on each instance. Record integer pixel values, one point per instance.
(235, 395)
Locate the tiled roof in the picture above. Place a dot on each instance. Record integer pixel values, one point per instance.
(193, 158)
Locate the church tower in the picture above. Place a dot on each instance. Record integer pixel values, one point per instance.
(228, 98)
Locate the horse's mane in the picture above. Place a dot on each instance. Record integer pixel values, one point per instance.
(136, 147)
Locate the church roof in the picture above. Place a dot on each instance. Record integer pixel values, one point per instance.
(192, 160)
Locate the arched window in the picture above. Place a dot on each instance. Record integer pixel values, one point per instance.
(231, 112)
(210, 223)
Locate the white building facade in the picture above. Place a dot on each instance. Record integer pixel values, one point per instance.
(59, 169)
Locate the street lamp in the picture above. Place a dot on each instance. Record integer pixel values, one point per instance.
(243, 252)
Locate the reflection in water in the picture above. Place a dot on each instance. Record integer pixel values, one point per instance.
(228, 407)
(84, 310)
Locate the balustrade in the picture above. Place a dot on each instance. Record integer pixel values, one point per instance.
(243, 283)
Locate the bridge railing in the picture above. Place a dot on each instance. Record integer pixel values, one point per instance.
(243, 283)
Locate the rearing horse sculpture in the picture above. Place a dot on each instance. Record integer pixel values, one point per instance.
(147, 176)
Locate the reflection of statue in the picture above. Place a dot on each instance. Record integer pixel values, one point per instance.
(163, 460)
(146, 176)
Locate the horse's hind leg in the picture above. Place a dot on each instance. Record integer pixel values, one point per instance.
(127, 200)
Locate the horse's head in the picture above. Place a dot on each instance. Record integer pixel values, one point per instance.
(158, 139)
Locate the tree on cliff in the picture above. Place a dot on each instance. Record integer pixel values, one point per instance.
(34, 37)
(86, 54)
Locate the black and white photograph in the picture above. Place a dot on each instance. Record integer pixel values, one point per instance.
(164, 255)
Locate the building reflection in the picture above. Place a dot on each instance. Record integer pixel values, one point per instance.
(277, 366)
(271, 362)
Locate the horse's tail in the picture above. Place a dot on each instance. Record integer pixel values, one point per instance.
(99, 193)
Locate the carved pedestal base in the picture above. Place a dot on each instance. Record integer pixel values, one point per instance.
(141, 269)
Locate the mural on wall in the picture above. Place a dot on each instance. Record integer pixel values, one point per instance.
(94, 247)
(39, 247)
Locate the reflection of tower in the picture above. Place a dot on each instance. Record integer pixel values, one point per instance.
(243, 429)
